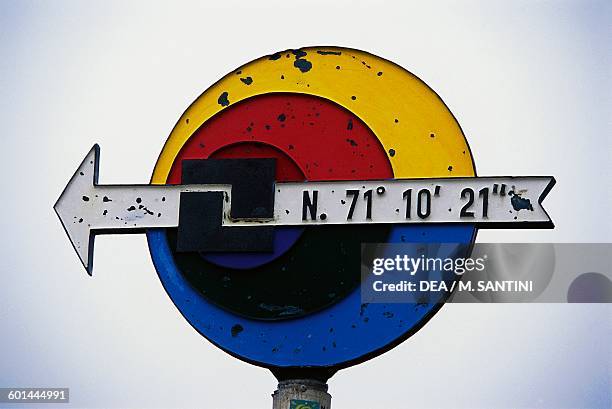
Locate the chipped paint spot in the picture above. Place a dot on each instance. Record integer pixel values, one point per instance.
(247, 80)
(518, 202)
(302, 64)
(299, 53)
(236, 330)
(281, 310)
(362, 308)
(329, 52)
(392, 152)
(223, 99)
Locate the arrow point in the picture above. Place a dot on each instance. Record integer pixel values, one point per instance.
(70, 206)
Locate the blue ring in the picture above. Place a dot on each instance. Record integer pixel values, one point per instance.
(338, 336)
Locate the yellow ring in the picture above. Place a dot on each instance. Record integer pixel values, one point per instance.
(419, 133)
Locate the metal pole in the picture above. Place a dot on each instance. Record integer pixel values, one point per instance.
(301, 394)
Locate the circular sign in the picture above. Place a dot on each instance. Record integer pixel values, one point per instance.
(323, 113)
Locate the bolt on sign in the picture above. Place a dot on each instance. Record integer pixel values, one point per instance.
(271, 180)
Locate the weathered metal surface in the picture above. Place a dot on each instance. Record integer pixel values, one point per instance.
(310, 139)
(341, 335)
(301, 394)
(326, 114)
(86, 207)
(453, 200)
(390, 125)
(415, 128)
(201, 216)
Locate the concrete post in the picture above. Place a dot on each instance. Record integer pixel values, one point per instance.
(301, 394)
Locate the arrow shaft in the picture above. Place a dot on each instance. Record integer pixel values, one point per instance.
(451, 200)
(86, 208)
(136, 207)
(490, 201)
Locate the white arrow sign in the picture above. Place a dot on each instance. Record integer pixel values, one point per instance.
(86, 208)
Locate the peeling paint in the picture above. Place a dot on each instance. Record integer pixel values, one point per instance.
(223, 99)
